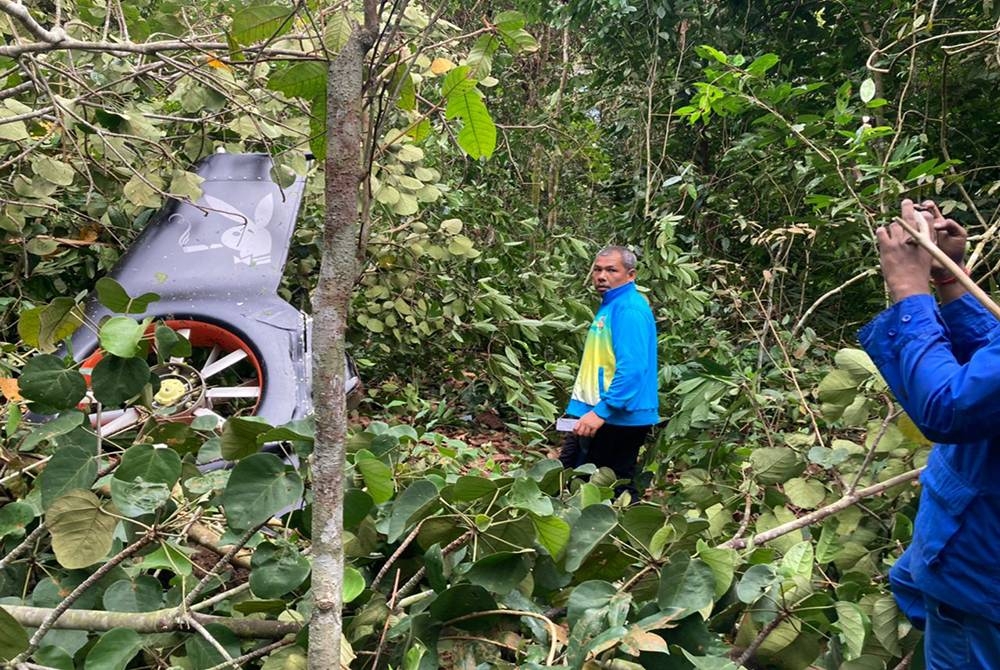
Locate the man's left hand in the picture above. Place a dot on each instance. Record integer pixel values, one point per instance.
(588, 424)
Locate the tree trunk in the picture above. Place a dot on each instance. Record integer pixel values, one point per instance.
(338, 272)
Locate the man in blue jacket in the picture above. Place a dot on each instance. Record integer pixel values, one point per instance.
(615, 394)
(943, 365)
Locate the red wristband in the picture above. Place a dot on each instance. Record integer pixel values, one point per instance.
(949, 279)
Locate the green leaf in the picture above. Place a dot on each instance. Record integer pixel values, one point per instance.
(112, 295)
(72, 467)
(337, 30)
(168, 557)
(553, 534)
(357, 505)
(478, 134)
(259, 487)
(141, 593)
(851, 623)
(755, 582)
(239, 436)
(885, 624)
(461, 600)
(774, 465)
(377, 476)
(150, 464)
(722, 563)
(81, 530)
(65, 423)
(838, 388)
(14, 518)
(798, 562)
(260, 22)
(186, 184)
(525, 494)
(46, 380)
(857, 363)
(169, 343)
(139, 192)
(121, 335)
(709, 662)
(114, 379)
(417, 500)
(469, 488)
(592, 526)
(590, 596)
(134, 499)
(762, 64)
(201, 654)
(52, 170)
(45, 327)
(642, 522)
(354, 584)
(805, 493)
(500, 573)
(13, 638)
(686, 583)
(306, 80)
(277, 569)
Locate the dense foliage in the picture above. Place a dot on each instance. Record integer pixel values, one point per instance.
(746, 151)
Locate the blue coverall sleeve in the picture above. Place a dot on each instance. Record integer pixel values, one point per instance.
(948, 399)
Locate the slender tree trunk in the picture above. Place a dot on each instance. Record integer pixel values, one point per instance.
(338, 272)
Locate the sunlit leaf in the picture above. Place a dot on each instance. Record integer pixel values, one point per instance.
(260, 22)
(81, 529)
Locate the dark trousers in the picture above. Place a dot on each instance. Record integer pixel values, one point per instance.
(615, 447)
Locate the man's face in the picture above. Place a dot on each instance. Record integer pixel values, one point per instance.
(609, 272)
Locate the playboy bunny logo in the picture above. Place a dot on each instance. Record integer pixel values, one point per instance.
(250, 238)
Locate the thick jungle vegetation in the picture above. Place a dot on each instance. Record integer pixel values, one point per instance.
(461, 164)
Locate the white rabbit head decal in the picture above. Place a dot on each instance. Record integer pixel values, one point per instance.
(250, 238)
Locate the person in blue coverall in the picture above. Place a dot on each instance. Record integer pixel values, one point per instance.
(615, 395)
(942, 362)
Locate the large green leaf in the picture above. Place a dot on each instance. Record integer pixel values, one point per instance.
(686, 583)
(276, 569)
(112, 295)
(13, 637)
(202, 654)
(500, 573)
(259, 487)
(115, 380)
(755, 582)
(468, 488)
(169, 343)
(136, 498)
(774, 465)
(461, 600)
(142, 593)
(377, 476)
(306, 80)
(885, 624)
(590, 596)
(72, 467)
(553, 534)
(592, 526)
(46, 380)
(354, 584)
(525, 494)
(81, 529)
(723, 564)
(14, 518)
(67, 422)
(239, 436)
(261, 22)
(853, 625)
(121, 335)
(478, 134)
(148, 463)
(642, 521)
(44, 327)
(418, 500)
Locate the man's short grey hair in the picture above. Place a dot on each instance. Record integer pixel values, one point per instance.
(627, 255)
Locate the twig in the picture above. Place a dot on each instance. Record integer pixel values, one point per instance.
(745, 521)
(219, 597)
(75, 594)
(256, 653)
(553, 631)
(396, 554)
(415, 579)
(829, 294)
(25, 544)
(892, 414)
(219, 565)
(201, 630)
(951, 266)
(759, 640)
(905, 663)
(822, 513)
